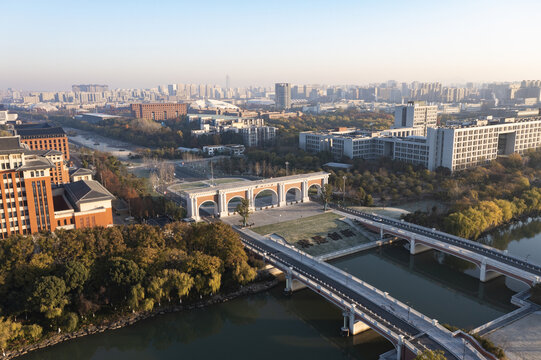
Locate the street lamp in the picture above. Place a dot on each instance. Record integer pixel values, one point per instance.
(344, 190)
(287, 167)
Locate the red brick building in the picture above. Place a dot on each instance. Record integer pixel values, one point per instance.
(29, 202)
(159, 111)
(44, 137)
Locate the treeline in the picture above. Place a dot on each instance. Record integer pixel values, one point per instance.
(69, 278)
(134, 190)
(473, 221)
(148, 133)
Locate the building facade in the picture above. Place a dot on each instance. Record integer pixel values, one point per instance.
(28, 202)
(282, 95)
(44, 137)
(159, 111)
(461, 147)
(416, 114)
(454, 147)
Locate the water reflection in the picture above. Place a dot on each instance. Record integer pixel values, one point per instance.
(431, 284)
(522, 239)
(266, 325)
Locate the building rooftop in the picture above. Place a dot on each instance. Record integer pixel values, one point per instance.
(42, 152)
(338, 165)
(255, 182)
(80, 172)
(87, 191)
(10, 144)
(28, 130)
(36, 164)
(494, 122)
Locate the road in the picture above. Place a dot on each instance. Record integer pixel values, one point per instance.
(377, 312)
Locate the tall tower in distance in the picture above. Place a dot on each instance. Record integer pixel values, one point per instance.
(227, 82)
(282, 95)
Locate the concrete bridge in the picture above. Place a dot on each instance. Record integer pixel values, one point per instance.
(283, 190)
(364, 307)
(490, 261)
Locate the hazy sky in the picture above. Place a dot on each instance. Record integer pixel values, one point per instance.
(49, 45)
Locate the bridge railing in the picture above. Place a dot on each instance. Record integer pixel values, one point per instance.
(378, 326)
(400, 224)
(360, 282)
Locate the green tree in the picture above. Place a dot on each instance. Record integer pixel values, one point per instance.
(32, 332)
(76, 275)
(49, 296)
(137, 296)
(70, 322)
(124, 272)
(243, 209)
(180, 283)
(206, 271)
(326, 195)
(9, 331)
(431, 355)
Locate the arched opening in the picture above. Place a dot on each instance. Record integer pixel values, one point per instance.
(233, 203)
(266, 198)
(208, 208)
(293, 195)
(314, 190)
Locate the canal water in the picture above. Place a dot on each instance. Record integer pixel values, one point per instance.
(270, 326)
(522, 239)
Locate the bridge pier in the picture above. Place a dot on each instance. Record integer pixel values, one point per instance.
(352, 327)
(289, 282)
(344, 330)
(399, 347)
(485, 275)
(417, 248)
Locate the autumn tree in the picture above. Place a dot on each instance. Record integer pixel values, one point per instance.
(243, 209)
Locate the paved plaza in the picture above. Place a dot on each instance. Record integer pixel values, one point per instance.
(279, 214)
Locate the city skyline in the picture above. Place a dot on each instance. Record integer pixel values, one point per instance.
(134, 45)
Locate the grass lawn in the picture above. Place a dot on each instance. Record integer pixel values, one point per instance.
(315, 234)
(140, 172)
(189, 186)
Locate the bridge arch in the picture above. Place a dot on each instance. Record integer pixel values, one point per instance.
(208, 208)
(293, 194)
(314, 189)
(233, 202)
(265, 198)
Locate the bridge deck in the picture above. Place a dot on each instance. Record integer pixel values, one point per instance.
(418, 329)
(500, 260)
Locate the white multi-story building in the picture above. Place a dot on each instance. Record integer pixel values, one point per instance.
(461, 147)
(453, 147)
(5, 116)
(403, 144)
(416, 114)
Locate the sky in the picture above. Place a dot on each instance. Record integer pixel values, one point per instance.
(50, 45)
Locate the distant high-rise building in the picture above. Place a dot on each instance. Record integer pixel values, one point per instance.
(416, 115)
(227, 82)
(165, 111)
(89, 88)
(172, 89)
(282, 95)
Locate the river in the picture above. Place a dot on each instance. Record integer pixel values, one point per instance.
(270, 326)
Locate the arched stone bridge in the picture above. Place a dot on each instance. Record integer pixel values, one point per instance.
(282, 190)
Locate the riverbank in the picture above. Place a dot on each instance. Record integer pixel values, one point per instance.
(130, 319)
